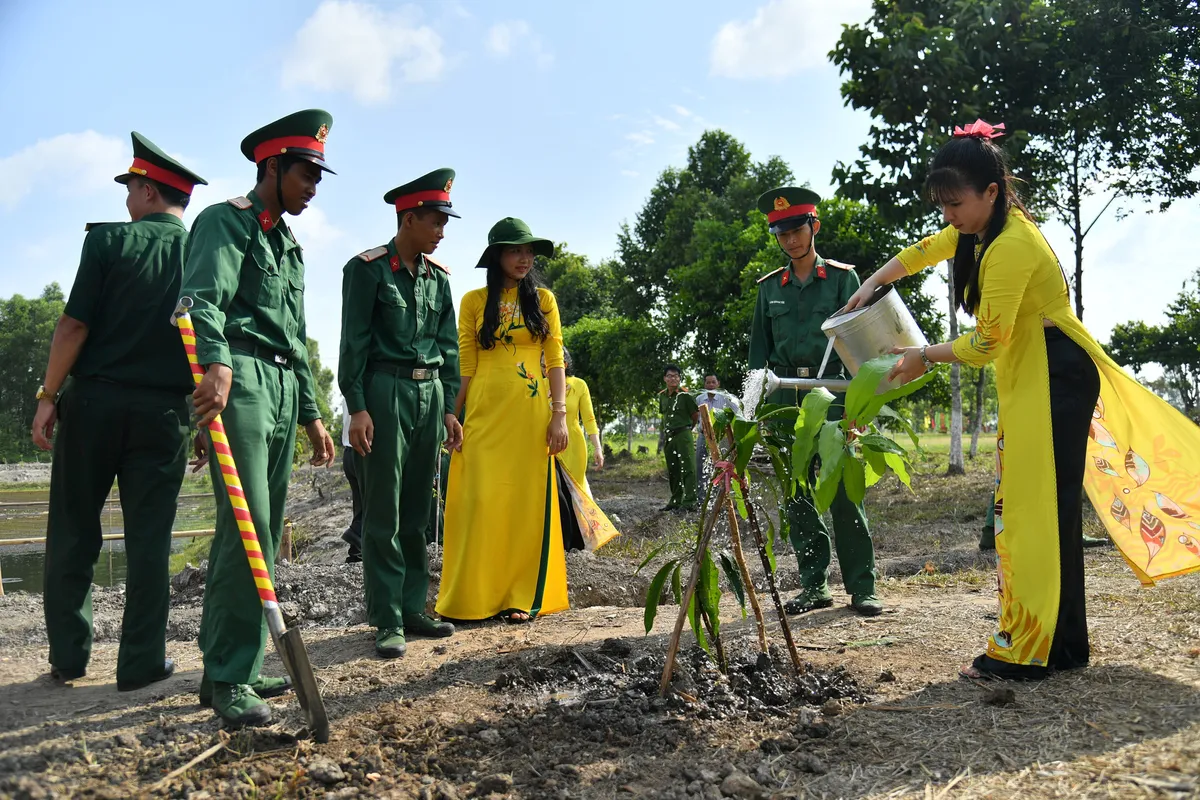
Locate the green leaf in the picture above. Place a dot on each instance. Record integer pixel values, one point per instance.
(780, 412)
(649, 558)
(694, 619)
(830, 444)
(676, 585)
(708, 589)
(654, 593)
(899, 467)
(854, 479)
(864, 386)
(782, 476)
(745, 436)
(881, 443)
(876, 460)
(734, 576)
(890, 413)
(869, 472)
(827, 483)
(739, 500)
(722, 418)
(813, 409)
(877, 402)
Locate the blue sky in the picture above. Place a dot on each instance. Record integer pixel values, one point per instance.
(559, 113)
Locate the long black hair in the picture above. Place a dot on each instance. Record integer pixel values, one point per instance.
(534, 319)
(974, 163)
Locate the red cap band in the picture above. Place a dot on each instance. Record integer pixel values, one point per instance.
(164, 176)
(278, 147)
(790, 211)
(417, 199)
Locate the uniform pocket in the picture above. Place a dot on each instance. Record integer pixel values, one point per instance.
(270, 280)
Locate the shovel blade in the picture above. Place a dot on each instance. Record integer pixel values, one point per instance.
(304, 682)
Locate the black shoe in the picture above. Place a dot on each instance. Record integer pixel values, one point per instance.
(354, 558)
(424, 625)
(353, 539)
(803, 604)
(65, 675)
(1103, 541)
(669, 507)
(167, 671)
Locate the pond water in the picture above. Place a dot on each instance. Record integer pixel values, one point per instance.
(23, 515)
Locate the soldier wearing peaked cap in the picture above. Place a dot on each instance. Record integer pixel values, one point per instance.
(245, 275)
(124, 413)
(786, 337)
(398, 370)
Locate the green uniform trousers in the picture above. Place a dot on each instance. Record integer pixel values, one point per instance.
(139, 437)
(397, 478)
(681, 466)
(260, 421)
(810, 537)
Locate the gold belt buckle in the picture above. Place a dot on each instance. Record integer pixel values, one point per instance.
(802, 372)
(420, 374)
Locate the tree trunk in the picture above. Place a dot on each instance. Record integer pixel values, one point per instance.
(977, 416)
(956, 466)
(1077, 229)
(629, 428)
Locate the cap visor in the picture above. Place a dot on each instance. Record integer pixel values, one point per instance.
(125, 177)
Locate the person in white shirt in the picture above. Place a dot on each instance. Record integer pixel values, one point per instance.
(353, 534)
(715, 399)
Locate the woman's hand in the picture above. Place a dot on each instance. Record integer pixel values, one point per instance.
(860, 296)
(910, 366)
(556, 434)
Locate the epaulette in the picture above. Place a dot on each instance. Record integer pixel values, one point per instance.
(374, 253)
(442, 267)
(829, 262)
(240, 203)
(93, 225)
(769, 274)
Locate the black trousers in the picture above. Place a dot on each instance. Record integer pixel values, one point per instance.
(353, 534)
(1074, 388)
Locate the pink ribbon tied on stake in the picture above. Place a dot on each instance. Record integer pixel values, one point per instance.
(979, 130)
(724, 474)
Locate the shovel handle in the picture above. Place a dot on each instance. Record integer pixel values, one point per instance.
(182, 319)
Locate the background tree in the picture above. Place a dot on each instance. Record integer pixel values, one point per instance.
(581, 288)
(323, 384)
(26, 329)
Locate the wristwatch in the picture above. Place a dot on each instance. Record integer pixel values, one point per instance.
(42, 393)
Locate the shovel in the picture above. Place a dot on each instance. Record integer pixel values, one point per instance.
(287, 640)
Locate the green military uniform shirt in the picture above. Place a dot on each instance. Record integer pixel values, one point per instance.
(125, 291)
(786, 331)
(677, 410)
(390, 316)
(246, 280)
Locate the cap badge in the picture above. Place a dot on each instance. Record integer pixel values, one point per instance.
(449, 183)
(322, 133)
(781, 204)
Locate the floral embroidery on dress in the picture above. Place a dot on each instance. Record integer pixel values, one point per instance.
(511, 320)
(531, 383)
(988, 335)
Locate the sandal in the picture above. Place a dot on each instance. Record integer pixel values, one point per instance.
(985, 667)
(511, 616)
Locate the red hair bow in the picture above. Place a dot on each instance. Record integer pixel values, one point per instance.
(979, 130)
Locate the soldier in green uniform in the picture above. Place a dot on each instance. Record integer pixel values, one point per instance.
(786, 337)
(398, 370)
(679, 415)
(123, 414)
(245, 275)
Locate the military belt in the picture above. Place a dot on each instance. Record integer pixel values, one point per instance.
(680, 429)
(795, 372)
(414, 371)
(260, 352)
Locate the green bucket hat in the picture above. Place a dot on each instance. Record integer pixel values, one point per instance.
(511, 230)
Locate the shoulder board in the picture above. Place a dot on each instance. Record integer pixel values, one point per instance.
(371, 255)
(240, 203)
(91, 226)
(776, 272)
(829, 262)
(442, 267)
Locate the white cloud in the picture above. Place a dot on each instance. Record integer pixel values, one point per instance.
(681, 111)
(506, 38)
(642, 138)
(72, 163)
(351, 46)
(783, 38)
(666, 124)
(313, 229)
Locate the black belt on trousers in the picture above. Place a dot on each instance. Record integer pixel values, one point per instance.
(260, 352)
(415, 371)
(673, 431)
(796, 372)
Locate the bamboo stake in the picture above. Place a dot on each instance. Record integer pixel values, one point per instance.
(735, 537)
(686, 599)
(762, 552)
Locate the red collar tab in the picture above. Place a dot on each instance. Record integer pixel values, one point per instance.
(419, 199)
(156, 173)
(264, 219)
(821, 271)
(314, 145)
(787, 276)
(395, 263)
(791, 211)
